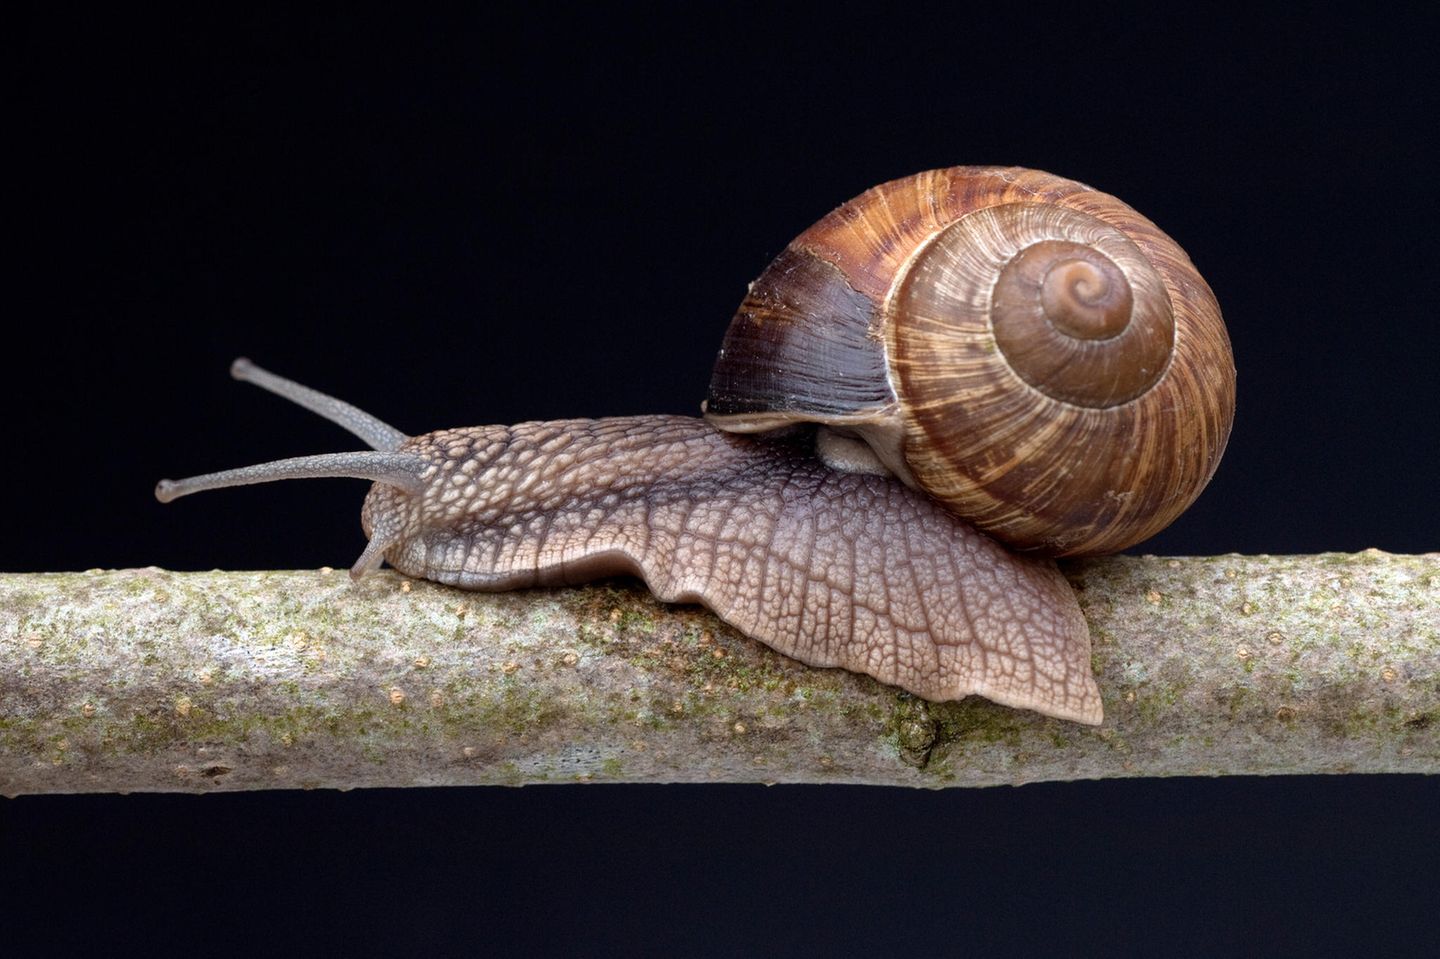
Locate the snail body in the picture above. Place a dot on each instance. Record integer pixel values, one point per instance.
(836, 536)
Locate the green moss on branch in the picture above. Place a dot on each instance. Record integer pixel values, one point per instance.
(140, 680)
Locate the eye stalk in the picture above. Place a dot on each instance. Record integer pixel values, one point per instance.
(377, 434)
(381, 464)
(401, 470)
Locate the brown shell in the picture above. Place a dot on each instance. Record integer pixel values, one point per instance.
(1044, 359)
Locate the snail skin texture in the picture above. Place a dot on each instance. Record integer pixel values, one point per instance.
(952, 377)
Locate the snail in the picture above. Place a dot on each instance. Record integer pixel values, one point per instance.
(937, 387)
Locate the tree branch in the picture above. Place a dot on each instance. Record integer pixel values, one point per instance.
(140, 680)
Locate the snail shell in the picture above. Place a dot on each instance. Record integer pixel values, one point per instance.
(1030, 351)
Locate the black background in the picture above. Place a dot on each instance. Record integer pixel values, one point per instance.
(490, 220)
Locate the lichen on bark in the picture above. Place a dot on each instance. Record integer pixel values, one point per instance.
(141, 680)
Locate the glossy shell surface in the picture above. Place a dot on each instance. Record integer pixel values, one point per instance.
(1043, 359)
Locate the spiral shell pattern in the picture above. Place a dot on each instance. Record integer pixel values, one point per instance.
(1057, 371)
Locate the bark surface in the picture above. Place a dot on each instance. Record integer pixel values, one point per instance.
(148, 680)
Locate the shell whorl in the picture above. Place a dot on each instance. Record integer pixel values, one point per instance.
(1074, 306)
(1052, 366)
